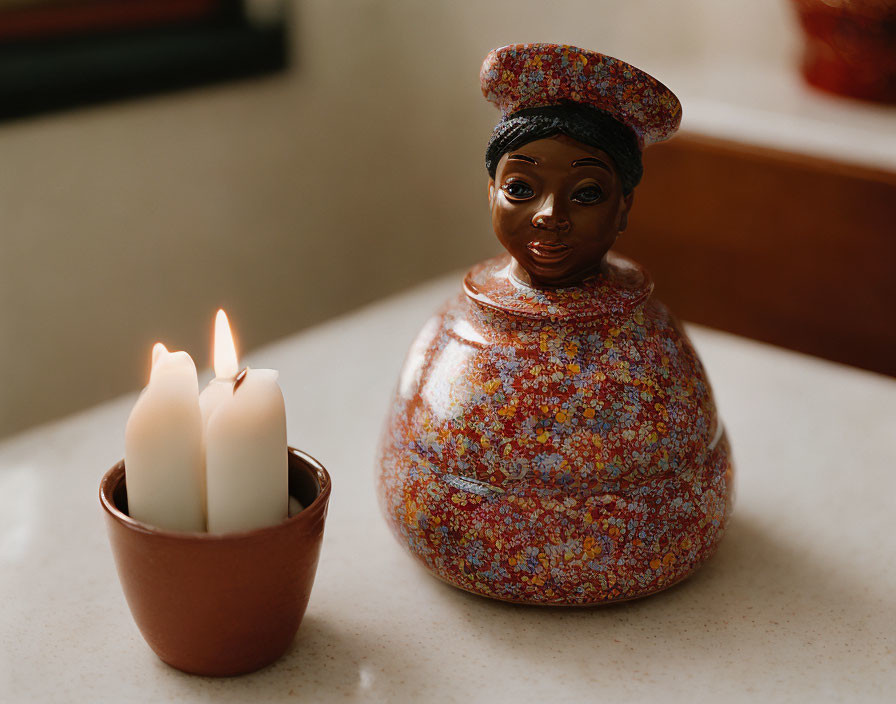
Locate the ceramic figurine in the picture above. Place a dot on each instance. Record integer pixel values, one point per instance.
(553, 438)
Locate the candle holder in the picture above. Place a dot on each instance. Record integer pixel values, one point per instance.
(220, 605)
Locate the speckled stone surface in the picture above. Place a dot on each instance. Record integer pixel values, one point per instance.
(797, 605)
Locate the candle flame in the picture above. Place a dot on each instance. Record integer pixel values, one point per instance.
(225, 350)
(158, 351)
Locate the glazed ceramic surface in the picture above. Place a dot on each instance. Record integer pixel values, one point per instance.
(220, 604)
(523, 76)
(555, 446)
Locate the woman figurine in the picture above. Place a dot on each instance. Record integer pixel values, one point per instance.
(553, 438)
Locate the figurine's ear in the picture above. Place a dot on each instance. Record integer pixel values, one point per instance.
(626, 207)
(491, 190)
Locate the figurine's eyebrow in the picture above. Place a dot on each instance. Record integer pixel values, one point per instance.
(591, 161)
(522, 157)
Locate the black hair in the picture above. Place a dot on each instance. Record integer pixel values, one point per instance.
(583, 123)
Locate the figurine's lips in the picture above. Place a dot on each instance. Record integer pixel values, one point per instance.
(549, 251)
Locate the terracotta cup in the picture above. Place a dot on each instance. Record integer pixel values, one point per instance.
(850, 47)
(220, 605)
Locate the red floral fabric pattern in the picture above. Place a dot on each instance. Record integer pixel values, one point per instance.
(537, 75)
(555, 447)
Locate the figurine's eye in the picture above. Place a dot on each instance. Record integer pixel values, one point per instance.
(518, 190)
(588, 195)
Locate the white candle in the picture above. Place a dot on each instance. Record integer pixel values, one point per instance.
(163, 447)
(247, 481)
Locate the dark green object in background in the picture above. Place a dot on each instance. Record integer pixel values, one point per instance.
(52, 74)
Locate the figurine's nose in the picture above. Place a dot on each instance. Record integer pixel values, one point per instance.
(549, 217)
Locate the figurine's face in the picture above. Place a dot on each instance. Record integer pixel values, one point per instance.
(557, 207)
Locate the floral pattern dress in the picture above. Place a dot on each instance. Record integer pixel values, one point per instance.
(555, 446)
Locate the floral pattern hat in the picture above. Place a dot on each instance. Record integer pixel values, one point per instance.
(522, 76)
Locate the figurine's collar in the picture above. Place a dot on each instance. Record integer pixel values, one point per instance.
(618, 290)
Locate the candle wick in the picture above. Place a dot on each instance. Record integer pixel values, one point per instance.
(239, 379)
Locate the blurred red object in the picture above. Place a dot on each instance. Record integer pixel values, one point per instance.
(48, 18)
(850, 47)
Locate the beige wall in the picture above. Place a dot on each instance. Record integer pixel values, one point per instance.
(287, 199)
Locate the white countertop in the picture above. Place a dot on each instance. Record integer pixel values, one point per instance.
(772, 106)
(798, 604)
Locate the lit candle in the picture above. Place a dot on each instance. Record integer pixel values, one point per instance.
(226, 369)
(247, 481)
(163, 446)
